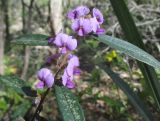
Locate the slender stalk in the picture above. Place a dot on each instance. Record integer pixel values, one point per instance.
(40, 104)
(48, 89)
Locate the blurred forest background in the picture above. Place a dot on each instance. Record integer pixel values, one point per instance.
(100, 98)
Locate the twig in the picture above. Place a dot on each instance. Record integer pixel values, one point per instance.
(48, 89)
(40, 104)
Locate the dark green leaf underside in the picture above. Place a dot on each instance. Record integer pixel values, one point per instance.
(68, 104)
(20, 111)
(13, 82)
(31, 40)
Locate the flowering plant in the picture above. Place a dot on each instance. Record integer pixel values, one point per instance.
(85, 22)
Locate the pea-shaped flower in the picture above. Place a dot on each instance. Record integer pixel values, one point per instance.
(78, 12)
(70, 71)
(96, 26)
(46, 78)
(98, 15)
(67, 80)
(82, 26)
(65, 42)
(73, 62)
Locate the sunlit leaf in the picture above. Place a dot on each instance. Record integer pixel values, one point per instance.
(133, 36)
(130, 50)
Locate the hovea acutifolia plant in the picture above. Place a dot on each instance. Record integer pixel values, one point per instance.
(88, 23)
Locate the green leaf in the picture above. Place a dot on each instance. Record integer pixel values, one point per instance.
(13, 83)
(32, 40)
(20, 110)
(3, 104)
(130, 50)
(68, 104)
(134, 99)
(133, 36)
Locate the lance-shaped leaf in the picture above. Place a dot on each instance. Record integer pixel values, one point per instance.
(32, 40)
(20, 111)
(133, 36)
(134, 99)
(130, 50)
(68, 105)
(18, 85)
(12, 82)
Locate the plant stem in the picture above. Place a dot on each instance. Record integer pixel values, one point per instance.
(40, 104)
(48, 89)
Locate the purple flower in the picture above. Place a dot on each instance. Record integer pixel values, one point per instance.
(67, 80)
(72, 63)
(78, 12)
(82, 26)
(98, 15)
(96, 27)
(76, 71)
(50, 40)
(100, 31)
(65, 42)
(46, 78)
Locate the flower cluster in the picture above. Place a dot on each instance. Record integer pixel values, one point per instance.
(65, 44)
(86, 21)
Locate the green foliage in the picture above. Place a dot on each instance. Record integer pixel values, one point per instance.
(130, 50)
(32, 40)
(133, 36)
(68, 105)
(110, 56)
(114, 104)
(20, 110)
(3, 104)
(13, 82)
(134, 99)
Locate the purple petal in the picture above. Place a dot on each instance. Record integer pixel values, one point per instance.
(72, 63)
(45, 75)
(66, 78)
(63, 50)
(69, 69)
(51, 40)
(82, 26)
(73, 60)
(49, 80)
(96, 13)
(61, 39)
(87, 28)
(71, 44)
(75, 25)
(70, 84)
(80, 11)
(95, 24)
(76, 71)
(81, 32)
(100, 31)
(71, 14)
(40, 85)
